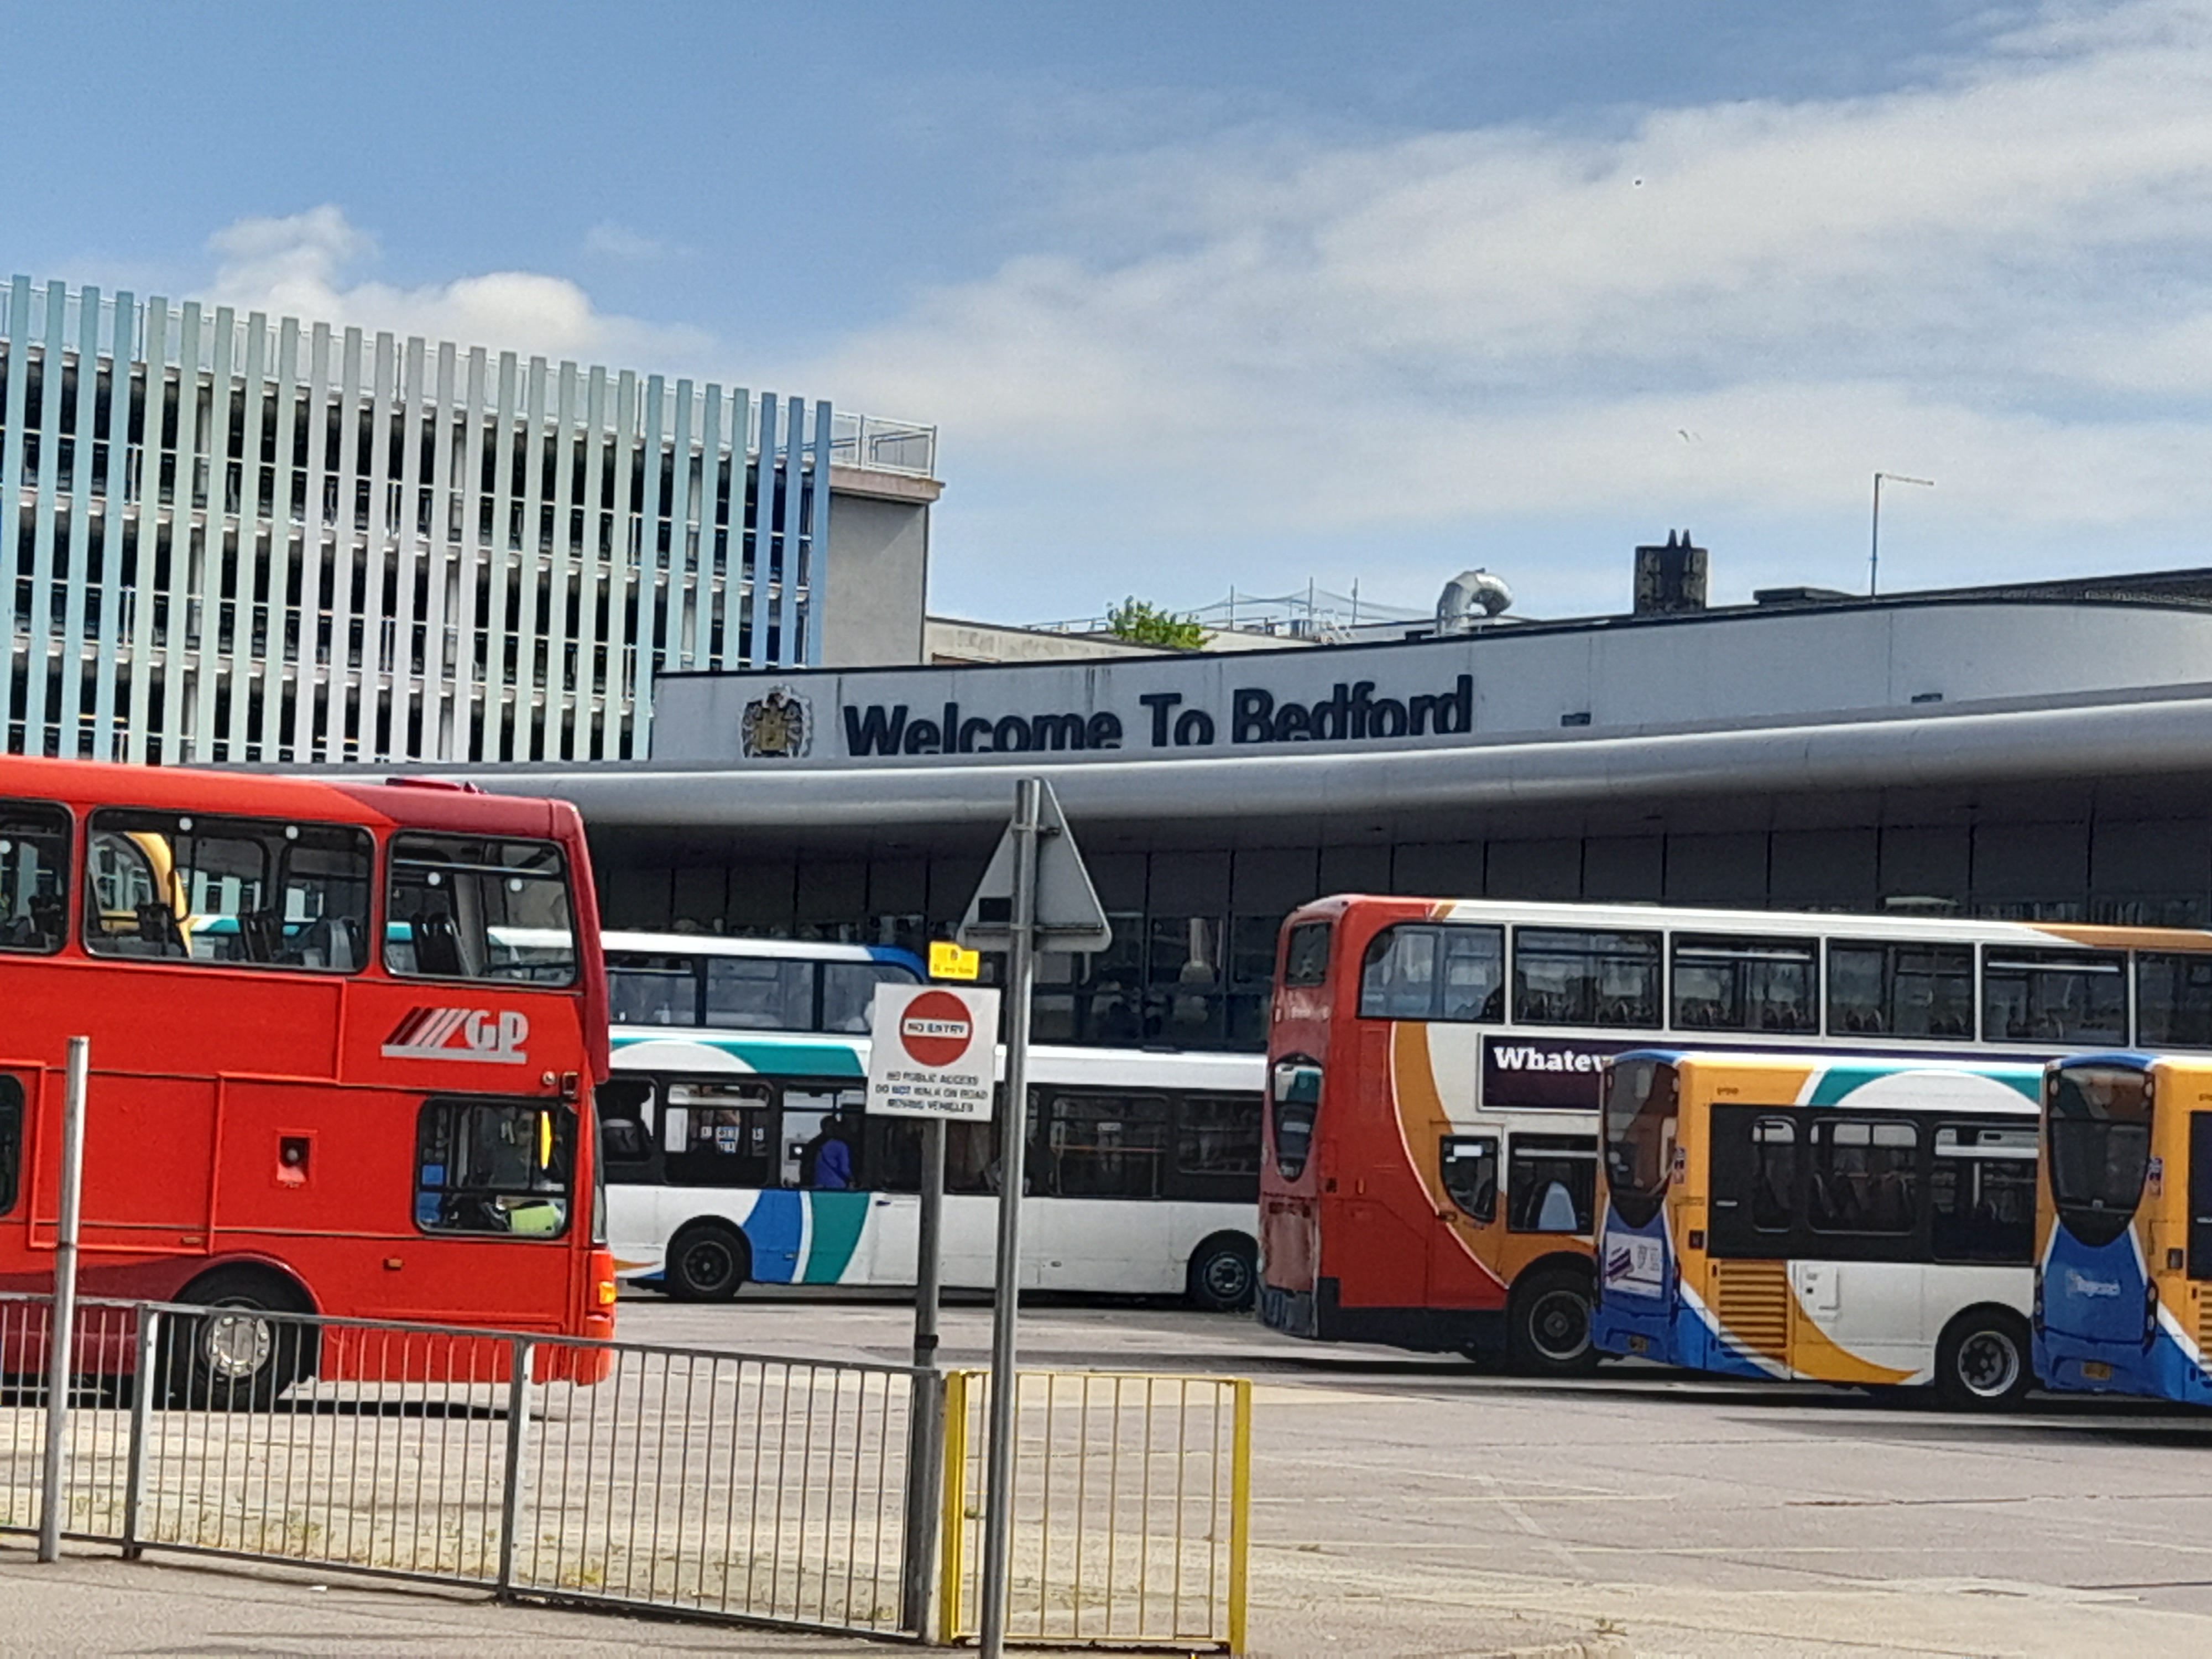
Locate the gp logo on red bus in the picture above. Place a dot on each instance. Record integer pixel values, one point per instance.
(485, 1034)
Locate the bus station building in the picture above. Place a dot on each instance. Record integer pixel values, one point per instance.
(2038, 751)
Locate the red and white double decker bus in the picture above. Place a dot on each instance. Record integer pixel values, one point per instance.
(1429, 1177)
(344, 1042)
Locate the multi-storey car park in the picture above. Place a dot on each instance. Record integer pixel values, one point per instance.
(240, 538)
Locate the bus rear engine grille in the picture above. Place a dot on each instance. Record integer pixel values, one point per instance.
(1753, 1304)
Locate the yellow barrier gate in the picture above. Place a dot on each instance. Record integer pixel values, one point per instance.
(1131, 1495)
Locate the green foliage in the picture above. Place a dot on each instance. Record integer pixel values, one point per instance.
(1143, 623)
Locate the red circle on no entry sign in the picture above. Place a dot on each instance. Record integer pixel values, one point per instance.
(935, 1029)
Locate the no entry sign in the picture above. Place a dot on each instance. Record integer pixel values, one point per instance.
(934, 1052)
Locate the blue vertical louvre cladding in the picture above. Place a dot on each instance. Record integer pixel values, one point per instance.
(245, 539)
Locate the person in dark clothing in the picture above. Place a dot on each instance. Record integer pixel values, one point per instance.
(826, 1161)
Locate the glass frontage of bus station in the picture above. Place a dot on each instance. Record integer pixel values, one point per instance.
(1195, 928)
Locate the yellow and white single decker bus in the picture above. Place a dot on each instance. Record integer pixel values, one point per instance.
(1822, 1218)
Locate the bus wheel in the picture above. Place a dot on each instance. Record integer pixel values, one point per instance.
(1550, 1322)
(1982, 1362)
(231, 1359)
(1225, 1272)
(706, 1263)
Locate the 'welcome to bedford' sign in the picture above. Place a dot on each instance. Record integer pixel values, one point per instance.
(1152, 708)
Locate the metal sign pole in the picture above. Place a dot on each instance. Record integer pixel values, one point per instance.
(61, 1330)
(1021, 970)
(926, 1407)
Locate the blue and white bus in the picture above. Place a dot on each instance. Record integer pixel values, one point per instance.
(735, 1060)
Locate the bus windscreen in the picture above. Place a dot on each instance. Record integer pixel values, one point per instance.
(1640, 1103)
(2100, 1119)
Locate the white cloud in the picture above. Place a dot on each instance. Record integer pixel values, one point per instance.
(302, 265)
(2001, 278)
(611, 241)
(1999, 275)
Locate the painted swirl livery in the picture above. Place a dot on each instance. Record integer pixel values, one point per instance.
(1857, 1221)
(1436, 1067)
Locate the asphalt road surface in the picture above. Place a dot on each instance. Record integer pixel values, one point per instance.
(1405, 1506)
(1410, 1505)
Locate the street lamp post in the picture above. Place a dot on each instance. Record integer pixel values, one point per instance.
(1873, 551)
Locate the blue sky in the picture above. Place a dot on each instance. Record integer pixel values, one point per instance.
(1243, 293)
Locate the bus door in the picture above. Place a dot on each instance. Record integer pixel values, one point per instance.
(969, 1240)
(1757, 1177)
(2199, 1245)
(627, 1110)
(2200, 1195)
(838, 1239)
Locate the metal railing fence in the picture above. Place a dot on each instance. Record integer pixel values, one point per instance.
(740, 1486)
(1131, 1506)
(746, 1487)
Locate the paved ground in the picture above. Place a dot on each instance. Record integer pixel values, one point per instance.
(1409, 1507)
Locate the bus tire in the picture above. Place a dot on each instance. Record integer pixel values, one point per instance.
(707, 1261)
(230, 1360)
(1548, 1322)
(1224, 1274)
(1982, 1361)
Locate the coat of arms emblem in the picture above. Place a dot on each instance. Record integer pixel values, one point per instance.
(774, 726)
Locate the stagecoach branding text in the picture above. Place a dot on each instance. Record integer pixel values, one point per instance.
(483, 1033)
(1546, 1060)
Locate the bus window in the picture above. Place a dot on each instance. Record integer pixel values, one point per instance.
(1098, 1145)
(34, 849)
(11, 1140)
(2173, 1000)
(1564, 976)
(2054, 996)
(1551, 1183)
(493, 1167)
(1216, 1148)
(650, 990)
(1218, 1135)
(232, 890)
(849, 992)
(623, 1106)
(1865, 1176)
(1902, 990)
(1470, 1173)
(466, 908)
(1981, 1194)
(1753, 1168)
(759, 993)
(718, 1134)
(812, 1118)
(1305, 954)
(1420, 970)
(1743, 984)
(1641, 1102)
(1773, 1195)
(1294, 1092)
(2100, 1127)
(893, 1157)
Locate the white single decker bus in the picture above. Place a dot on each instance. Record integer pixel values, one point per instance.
(738, 1062)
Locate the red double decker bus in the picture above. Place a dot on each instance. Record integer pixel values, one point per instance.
(344, 1042)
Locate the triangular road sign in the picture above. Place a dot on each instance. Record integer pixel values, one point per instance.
(1068, 916)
